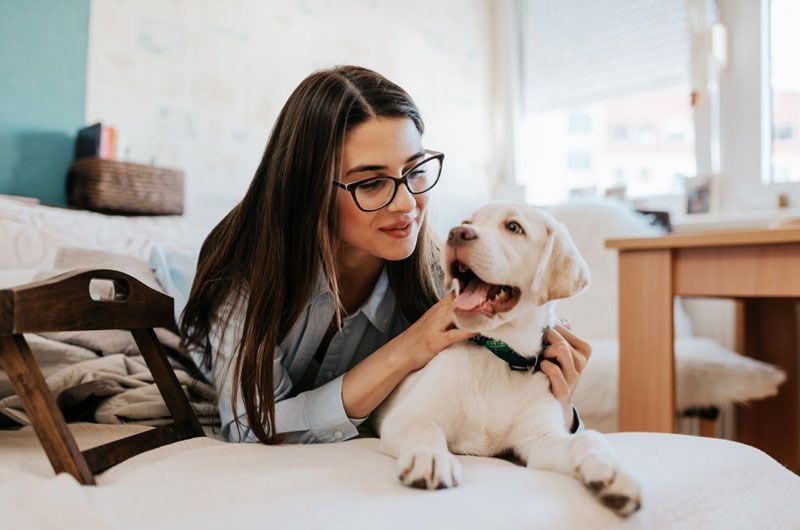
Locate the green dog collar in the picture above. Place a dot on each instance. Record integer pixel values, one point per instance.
(515, 360)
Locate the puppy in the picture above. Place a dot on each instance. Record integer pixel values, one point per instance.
(508, 264)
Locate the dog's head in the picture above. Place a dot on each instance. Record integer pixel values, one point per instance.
(507, 257)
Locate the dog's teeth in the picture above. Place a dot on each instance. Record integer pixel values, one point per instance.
(457, 286)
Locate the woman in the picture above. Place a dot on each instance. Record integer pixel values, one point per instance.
(319, 292)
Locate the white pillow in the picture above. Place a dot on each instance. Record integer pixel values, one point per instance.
(14, 277)
(24, 247)
(595, 312)
(30, 235)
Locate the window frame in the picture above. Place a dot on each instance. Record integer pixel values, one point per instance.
(746, 112)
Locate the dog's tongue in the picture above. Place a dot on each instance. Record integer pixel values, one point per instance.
(473, 296)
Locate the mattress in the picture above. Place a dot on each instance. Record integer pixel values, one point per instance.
(688, 482)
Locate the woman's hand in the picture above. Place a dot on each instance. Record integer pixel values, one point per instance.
(433, 332)
(565, 359)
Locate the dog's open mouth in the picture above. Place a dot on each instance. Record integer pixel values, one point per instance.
(476, 295)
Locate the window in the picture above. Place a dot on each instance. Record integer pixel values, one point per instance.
(606, 98)
(758, 116)
(579, 122)
(784, 42)
(644, 142)
(642, 94)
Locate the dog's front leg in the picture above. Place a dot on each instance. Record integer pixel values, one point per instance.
(589, 457)
(420, 446)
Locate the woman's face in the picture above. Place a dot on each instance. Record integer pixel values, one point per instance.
(381, 147)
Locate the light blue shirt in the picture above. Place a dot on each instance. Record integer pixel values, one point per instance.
(316, 415)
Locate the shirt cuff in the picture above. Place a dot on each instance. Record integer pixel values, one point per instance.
(326, 415)
(356, 421)
(577, 424)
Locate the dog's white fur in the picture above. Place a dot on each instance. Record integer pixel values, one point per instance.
(468, 401)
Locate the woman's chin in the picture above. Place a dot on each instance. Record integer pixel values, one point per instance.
(399, 251)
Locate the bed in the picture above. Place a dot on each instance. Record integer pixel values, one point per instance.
(688, 481)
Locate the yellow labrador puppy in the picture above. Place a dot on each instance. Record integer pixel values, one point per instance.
(508, 264)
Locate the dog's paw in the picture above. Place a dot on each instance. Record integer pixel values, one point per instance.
(427, 469)
(614, 487)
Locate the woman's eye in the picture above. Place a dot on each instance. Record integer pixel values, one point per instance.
(515, 227)
(370, 186)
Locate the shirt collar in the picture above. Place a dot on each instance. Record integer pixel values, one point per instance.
(379, 306)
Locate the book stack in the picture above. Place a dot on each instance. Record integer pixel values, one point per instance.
(97, 141)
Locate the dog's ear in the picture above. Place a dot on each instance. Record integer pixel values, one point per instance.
(562, 271)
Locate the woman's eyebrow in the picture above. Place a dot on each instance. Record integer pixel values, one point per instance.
(362, 168)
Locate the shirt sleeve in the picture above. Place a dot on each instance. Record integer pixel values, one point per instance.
(314, 416)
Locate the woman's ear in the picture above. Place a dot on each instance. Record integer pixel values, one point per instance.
(562, 272)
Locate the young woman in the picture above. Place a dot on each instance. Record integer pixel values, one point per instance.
(321, 290)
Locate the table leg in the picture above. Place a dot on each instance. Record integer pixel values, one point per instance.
(768, 331)
(646, 353)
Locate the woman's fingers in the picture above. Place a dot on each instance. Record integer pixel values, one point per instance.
(558, 385)
(560, 350)
(457, 335)
(579, 360)
(575, 341)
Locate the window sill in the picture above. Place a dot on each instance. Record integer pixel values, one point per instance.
(684, 223)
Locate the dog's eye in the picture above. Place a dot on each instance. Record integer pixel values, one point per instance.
(515, 227)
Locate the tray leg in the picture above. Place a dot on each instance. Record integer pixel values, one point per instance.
(41, 407)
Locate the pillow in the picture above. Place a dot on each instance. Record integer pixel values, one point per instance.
(30, 235)
(24, 247)
(175, 271)
(594, 313)
(14, 277)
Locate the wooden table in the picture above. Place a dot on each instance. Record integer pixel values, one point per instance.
(760, 269)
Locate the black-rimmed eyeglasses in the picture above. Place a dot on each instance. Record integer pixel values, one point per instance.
(374, 193)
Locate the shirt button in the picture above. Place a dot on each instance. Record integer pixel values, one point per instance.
(338, 434)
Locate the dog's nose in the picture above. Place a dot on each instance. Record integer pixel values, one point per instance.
(460, 235)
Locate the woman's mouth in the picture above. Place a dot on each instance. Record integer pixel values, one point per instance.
(399, 231)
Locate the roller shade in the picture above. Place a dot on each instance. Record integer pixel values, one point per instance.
(575, 52)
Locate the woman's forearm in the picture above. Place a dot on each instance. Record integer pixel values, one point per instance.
(369, 382)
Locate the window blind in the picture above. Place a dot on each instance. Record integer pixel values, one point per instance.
(575, 52)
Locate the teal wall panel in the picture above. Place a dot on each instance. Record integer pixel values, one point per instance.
(43, 53)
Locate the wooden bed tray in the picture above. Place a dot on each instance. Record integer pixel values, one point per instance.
(64, 303)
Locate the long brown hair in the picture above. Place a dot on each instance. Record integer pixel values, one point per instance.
(273, 242)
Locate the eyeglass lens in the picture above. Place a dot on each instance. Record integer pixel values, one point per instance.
(378, 192)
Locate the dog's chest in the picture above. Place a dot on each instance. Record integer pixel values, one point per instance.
(479, 395)
(495, 397)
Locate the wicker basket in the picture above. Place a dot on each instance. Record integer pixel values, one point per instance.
(124, 187)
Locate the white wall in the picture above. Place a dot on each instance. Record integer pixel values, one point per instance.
(197, 85)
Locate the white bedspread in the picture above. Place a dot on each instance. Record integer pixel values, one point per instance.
(689, 482)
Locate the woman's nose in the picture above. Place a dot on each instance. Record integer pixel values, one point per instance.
(403, 200)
